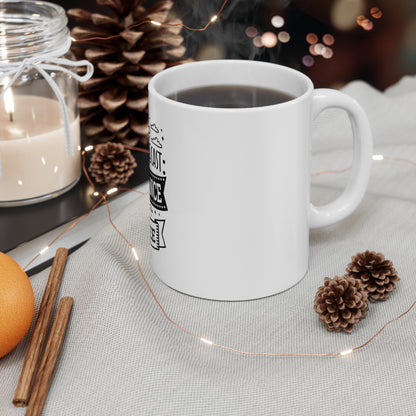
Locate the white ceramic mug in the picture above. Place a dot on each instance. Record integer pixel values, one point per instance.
(229, 188)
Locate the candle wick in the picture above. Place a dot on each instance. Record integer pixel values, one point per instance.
(11, 116)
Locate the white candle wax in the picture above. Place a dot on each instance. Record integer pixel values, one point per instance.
(32, 149)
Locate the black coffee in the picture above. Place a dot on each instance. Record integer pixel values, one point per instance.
(230, 96)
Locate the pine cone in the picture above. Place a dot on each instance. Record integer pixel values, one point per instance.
(112, 164)
(113, 103)
(341, 303)
(376, 274)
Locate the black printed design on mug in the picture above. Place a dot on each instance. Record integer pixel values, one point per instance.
(156, 233)
(157, 189)
(157, 182)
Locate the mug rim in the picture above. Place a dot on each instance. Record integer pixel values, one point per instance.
(152, 87)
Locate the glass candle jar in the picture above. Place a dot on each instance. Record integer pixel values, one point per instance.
(39, 120)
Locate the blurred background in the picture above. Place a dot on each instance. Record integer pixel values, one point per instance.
(332, 41)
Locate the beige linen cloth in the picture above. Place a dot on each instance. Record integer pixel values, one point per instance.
(122, 357)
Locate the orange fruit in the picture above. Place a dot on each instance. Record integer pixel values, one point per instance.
(17, 304)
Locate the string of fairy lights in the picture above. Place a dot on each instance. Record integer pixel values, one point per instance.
(104, 199)
(160, 24)
(313, 40)
(316, 46)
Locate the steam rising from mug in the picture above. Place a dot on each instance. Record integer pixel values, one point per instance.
(225, 38)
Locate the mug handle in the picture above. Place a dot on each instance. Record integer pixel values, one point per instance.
(346, 203)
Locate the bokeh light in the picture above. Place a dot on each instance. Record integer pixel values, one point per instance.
(283, 36)
(376, 13)
(328, 39)
(278, 21)
(269, 39)
(319, 48)
(360, 19)
(344, 12)
(311, 38)
(257, 41)
(367, 25)
(251, 31)
(308, 60)
(328, 53)
(312, 50)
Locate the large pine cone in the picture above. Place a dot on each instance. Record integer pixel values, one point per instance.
(113, 103)
(375, 272)
(112, 164)
(341, 303)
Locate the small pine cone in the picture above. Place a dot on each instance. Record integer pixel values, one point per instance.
(112, 164)
(376, 274)
(341, 303)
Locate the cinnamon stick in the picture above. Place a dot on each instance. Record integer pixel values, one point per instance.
(27, 376)
(47, 366)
